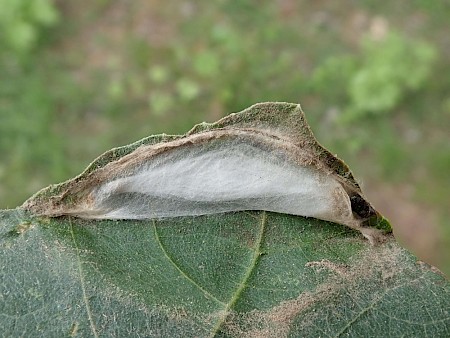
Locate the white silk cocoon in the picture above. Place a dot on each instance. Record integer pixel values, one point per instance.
(221, 176)
(263, 158)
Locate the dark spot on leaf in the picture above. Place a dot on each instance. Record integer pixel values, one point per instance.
(74, 329)
(20, 229)
(361, 207)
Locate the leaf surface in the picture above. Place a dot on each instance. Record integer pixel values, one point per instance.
(254, 274)
(201, 272)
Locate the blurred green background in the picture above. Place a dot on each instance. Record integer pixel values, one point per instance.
(80, 77)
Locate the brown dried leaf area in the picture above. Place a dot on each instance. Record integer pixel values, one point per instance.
(263, 158)
(416, 225)
(358, 282)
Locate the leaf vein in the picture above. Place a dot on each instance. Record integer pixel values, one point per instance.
(184, 274)
(243, 284)
(359, 315)
(83, 284)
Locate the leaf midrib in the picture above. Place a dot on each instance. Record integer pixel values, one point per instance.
(249, 272)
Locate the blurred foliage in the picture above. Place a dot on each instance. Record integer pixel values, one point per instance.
(390, 68)
(380, 76)
(22, 20)
(81, 77)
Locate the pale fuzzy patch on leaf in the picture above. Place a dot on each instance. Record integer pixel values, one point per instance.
(383, 265)
(264, 158)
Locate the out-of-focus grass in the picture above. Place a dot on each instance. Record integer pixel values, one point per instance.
(373, 79)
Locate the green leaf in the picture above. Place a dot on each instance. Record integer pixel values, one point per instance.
(238, 274)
